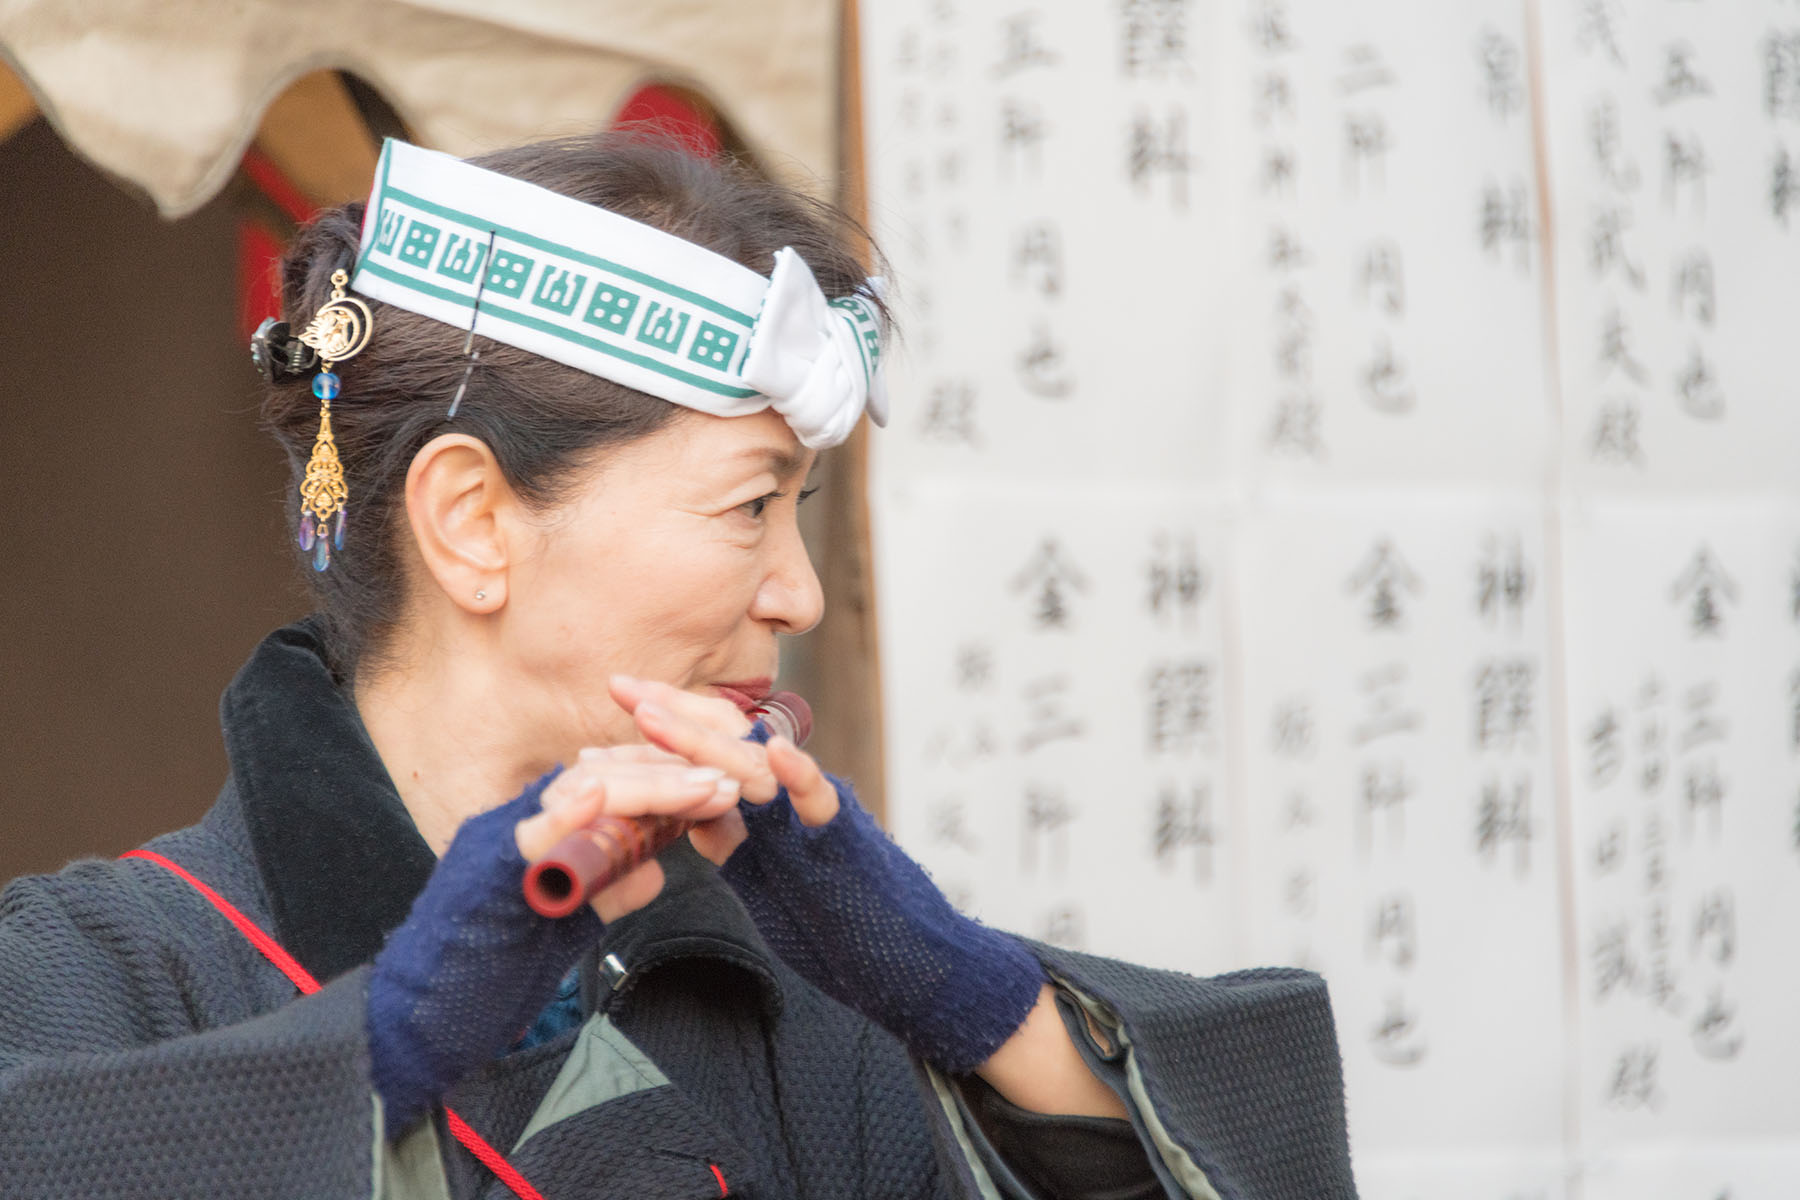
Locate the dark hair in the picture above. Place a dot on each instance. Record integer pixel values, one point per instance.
(541, 419)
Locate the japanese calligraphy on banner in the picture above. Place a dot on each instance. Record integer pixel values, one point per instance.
(1378, 159)
(1337, 514)
(1001, 142)
(1042, 764)
(1674, 144)
(1401, 835)
(1684, 726)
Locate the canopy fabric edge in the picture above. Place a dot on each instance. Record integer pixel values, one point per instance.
(171, 110)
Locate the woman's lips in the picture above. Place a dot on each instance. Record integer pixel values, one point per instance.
(745, 693)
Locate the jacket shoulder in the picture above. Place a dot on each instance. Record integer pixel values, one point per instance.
(114, 953)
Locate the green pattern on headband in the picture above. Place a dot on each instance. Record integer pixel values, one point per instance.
(580, 298)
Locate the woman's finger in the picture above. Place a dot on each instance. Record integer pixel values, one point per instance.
(814, 798)
(536, 834)
(712, 712)
(744, 761)
(635, 753)
(630, 892)
(603, 785)
(580, 795)
(717, 838)
(672, 789)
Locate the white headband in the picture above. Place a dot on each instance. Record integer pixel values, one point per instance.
(617, 298)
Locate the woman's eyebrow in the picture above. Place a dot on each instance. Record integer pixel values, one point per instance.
(781, 462)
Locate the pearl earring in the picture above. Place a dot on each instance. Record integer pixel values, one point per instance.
(481, 595)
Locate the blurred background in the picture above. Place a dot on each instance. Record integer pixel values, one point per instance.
(1338, 509)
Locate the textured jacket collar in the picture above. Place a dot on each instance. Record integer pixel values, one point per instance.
(340, 854)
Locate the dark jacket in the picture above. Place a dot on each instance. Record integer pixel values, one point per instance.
(146, 1049)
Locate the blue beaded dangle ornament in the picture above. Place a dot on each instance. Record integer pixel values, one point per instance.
(339, 331)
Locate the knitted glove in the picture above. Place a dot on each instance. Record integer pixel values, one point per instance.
(470, 967)
(847, 909)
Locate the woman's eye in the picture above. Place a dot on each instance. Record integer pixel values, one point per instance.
(757, 507)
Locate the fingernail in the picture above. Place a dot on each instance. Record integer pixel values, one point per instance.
(727, 787)
(704, 775)
(627, 681)
(590, 753)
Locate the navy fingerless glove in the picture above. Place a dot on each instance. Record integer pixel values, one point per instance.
(847, 909)
(470, 967)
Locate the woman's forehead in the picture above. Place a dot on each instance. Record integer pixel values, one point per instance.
(704, 448)
(757, 442)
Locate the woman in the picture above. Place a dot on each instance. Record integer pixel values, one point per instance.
(573, 425)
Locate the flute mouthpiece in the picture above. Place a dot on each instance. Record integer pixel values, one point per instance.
(788, 716)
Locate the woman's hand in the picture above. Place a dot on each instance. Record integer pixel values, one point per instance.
(824, 890)
(837, 899)
(709, 731)
(472, 965)
(625, 781)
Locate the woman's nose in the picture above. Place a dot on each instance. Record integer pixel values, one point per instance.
(790, 595)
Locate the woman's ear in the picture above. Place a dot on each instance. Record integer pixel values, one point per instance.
(459, 507)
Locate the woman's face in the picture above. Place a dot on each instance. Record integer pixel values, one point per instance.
(675, 558)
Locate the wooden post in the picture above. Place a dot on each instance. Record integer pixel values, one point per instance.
(838, 666)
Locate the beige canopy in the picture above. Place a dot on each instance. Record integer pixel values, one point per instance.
(168, 93)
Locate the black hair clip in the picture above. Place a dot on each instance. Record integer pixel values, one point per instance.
(278, 354)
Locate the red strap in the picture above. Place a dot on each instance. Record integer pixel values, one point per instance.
(490, 1157)
(271, 949)
(302, 979)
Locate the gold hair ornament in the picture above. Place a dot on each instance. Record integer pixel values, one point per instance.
(339, 331)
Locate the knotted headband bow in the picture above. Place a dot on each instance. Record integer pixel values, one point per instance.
(617, 298)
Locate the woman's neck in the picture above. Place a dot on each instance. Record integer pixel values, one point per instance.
(449, 749)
